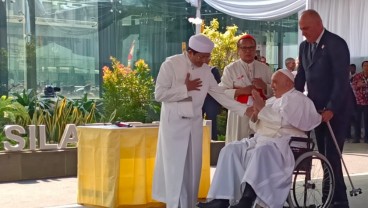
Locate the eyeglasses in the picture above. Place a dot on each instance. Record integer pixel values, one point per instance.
(203, 57)
(245, 48)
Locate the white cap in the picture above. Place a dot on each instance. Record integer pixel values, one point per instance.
(287, 73)
(201, 43)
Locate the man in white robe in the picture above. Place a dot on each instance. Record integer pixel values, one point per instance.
(263, 165)
(182, 85)
(238, 80)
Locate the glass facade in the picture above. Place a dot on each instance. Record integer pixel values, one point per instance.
(65, 43)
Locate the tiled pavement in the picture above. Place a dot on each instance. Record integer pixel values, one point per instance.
(62, 192)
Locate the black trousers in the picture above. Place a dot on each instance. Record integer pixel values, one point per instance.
(327, 147)
(361, 110)
(211, 108)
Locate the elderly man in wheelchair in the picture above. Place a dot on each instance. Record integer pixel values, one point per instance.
(258, 170)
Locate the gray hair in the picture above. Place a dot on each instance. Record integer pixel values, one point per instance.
(288, 60)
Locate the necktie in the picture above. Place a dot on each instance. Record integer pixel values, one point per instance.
(313, 49)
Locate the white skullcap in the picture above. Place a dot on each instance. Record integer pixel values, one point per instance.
(201, 43)
(287, 73)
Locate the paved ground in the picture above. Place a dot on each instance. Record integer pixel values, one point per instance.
(62, 192)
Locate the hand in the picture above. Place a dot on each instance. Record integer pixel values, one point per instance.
(258, 102)
(259, 83)
(193, 84)
(252, 113)
(249, 112)
(327, 115)
(243, 90)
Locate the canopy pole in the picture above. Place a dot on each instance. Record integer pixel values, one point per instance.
(198, 15)
(308, 4)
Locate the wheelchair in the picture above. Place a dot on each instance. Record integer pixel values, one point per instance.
(313, 180)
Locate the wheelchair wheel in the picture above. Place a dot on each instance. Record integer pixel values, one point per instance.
(313, 182)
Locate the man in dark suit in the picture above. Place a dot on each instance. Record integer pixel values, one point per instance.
(324, 65)
(211, 107)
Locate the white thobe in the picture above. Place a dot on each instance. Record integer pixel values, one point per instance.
(240, 74)
(265, 161)
(179, 149)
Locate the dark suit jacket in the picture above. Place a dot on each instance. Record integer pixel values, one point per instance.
(326, 73)
(209, 101)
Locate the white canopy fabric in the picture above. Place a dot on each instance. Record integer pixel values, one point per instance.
(255, 9)
(346, 18)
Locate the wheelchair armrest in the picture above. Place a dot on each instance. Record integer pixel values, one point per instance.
(308, 141)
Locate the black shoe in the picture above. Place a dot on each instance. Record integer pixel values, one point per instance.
(248, 198)
(216, 203)
(243, 203)
(356, 141)
(236, 206)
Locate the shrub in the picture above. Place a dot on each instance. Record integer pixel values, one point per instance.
(11, 113)
(27, 109)
(129, 92)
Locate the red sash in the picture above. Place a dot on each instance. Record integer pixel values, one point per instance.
(244, 98)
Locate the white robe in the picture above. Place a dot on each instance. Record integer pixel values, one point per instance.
(235, 75)
(179, 149)
(265, 161)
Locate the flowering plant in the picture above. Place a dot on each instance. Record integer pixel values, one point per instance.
(129, 92)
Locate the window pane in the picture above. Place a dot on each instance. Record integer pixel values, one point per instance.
(71, 40)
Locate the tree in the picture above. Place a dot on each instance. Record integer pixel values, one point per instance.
(225, 50)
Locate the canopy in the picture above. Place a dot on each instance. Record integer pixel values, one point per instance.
(255, 9)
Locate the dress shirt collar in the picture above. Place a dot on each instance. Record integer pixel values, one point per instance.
(245, 63)
(192, 66)
(320, 36)
(286, 93)
(290, 91)
(273, 99)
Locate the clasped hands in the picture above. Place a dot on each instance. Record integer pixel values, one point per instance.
(258, 104)
(257, 83)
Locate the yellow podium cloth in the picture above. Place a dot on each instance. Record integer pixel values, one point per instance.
(115, 165)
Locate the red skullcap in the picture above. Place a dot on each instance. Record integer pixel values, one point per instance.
(247, 36)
